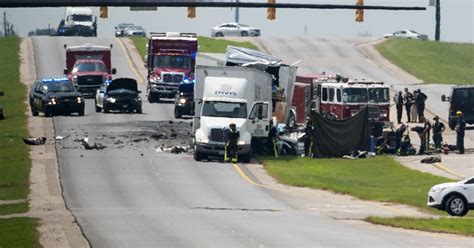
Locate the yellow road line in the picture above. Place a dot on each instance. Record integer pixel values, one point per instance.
(248, 179)
(130, 62)
(447, 170)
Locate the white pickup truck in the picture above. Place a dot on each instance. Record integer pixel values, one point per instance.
(225, 95)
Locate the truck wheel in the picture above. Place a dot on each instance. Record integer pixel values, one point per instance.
(199, 156)
(34, 112)
(456, 206)
(291, 121)
(177, 113)
(48, 113)
(97, 109)
(138, 110)
(106, 110)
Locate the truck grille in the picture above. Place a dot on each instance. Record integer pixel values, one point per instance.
(374, 112)
(217, 135)
(90, 80)
(173, 77)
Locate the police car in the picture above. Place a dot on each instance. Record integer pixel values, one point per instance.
(55, 96)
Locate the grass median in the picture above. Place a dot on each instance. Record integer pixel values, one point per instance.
(19, 232)
(14, 158)
(380, 179)
(206, 44)
(463, 226)
(430, 61)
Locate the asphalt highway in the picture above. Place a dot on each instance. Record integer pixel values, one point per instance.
(132, 195)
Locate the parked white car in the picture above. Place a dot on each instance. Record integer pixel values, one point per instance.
(407, 34)
(456, 198)
(234, 29)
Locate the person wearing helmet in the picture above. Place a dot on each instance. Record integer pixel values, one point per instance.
(460, 129)
(308, 140)
(231, 144)
(272, 140)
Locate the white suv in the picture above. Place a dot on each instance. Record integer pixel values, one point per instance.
(456, 197)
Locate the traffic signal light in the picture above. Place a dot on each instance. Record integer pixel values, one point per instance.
(271, 12)
(104, 12)
(360, 12)
(191, 12)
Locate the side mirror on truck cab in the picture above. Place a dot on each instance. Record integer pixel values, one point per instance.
(65, 71)
(114, 71)
(444, 98)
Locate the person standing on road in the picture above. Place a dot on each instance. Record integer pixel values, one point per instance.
(420, 104)
(399, 104)
(438, 129)
(425, 135)
(231, 144)
(460, 129)
(408, 102)
(271, 140)
(414, 115)
(308, 140)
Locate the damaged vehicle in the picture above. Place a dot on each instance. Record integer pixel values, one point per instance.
(120, 94)
(56, 95)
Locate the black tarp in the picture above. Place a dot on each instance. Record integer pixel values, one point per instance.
(336, 138)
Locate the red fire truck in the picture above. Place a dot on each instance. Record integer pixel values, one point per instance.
(339, 98)
(171, 60)
(88, 66)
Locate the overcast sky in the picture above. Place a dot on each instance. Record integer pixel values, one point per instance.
(457, 20)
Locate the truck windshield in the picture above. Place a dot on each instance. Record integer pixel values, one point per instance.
(377, 95)
(354, 95)
(89, 66)
(224, 109)
(82, 18)
(172, 61)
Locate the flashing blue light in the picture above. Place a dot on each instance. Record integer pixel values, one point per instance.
(49, 80)
(193, 55)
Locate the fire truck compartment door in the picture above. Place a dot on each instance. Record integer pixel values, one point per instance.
(259, 119)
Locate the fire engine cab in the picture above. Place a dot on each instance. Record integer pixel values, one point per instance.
(341, 99)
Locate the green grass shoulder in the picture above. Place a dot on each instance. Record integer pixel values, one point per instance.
(430, 61)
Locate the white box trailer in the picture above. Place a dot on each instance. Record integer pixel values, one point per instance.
(225, 95)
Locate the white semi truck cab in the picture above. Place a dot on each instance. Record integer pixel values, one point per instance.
(225, 95)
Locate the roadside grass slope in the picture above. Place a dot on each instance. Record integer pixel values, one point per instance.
(206, 44)
(430, 61)
(380, 179)
(463, 226)
(14, 159)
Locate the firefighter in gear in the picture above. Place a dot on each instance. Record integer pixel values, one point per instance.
(272, 140)
(308, 140)
(231, 144)
(425, 136)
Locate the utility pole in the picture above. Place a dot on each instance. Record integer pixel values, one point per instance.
(5, 24)
(438, 20)
(237, 12)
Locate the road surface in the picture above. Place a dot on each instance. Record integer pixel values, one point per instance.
(131, 195)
